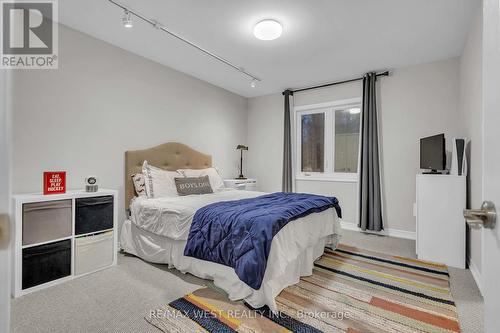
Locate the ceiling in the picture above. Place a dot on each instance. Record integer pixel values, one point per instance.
(322, 41)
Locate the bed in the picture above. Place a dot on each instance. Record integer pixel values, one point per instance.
(157, 230)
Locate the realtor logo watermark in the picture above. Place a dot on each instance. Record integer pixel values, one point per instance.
(29, 34)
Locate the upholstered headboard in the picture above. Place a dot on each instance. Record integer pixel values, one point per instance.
(169, 156)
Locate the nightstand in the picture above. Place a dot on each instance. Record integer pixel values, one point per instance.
(249, 184)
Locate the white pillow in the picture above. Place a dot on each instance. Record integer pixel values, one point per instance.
(159, 182)
(216, 181)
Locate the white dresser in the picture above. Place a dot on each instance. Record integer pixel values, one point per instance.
(441, 226)
(249, 184)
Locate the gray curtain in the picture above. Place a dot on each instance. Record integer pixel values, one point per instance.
(287, 180)
(370, 201)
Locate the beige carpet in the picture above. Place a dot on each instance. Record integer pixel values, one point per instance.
(118, 299)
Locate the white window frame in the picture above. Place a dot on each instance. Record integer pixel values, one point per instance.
(329, 110)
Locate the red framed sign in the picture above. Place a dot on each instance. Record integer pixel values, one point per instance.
(54, 182)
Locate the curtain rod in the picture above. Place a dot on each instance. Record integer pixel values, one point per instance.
(291, 91)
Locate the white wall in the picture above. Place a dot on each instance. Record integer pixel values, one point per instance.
(345, 192)
(471, 114)
(103, 101)
(120, 101)
(265, 141)
(414, 102)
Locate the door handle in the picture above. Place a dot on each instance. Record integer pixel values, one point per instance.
(485, 217)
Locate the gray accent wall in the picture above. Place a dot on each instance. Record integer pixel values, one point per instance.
(414, 102)
(103, 101)
(472, 116)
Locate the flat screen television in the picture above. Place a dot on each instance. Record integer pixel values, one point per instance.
(433, 153)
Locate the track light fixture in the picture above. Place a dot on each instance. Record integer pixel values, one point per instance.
(127, 20)
(127, 23)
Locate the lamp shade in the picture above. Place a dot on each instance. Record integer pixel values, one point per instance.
(242, 147)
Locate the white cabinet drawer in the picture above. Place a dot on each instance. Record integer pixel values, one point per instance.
(45, 221)
(241, 184)
(93, 252)
(251, 185)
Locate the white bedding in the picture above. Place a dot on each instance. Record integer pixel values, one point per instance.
(159, 229)
(172, 216)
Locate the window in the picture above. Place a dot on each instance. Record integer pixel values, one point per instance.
(328, 140)
(347, 125)
(313, 142)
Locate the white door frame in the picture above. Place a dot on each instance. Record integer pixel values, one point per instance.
(4, 203)
(491, 161)
(4, 276)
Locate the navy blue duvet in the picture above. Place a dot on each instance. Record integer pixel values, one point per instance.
(239, 233)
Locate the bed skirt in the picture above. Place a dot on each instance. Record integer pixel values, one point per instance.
(292, 255)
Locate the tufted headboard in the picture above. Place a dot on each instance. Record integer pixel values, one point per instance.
(169, 156)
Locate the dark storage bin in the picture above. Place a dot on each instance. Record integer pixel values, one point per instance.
(44, 263)
(46, 220)
(93, 214)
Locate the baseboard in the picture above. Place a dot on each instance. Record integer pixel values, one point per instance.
(387, 232)
(475, 274)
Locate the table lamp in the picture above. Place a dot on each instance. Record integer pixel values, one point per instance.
(241, 148)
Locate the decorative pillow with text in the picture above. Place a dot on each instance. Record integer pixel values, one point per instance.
(193, 185)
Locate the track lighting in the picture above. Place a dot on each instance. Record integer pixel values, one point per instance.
(127, 23)
(127, 20)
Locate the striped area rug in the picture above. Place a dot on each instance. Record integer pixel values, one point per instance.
(351, 290)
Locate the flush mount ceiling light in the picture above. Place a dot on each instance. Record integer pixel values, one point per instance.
(127, 23)
(354, 110)
(267, 29)
(127, 20)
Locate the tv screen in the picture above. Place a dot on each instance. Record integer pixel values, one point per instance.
(433, 153)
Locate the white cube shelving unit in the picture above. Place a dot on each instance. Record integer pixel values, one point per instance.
(97, 246)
